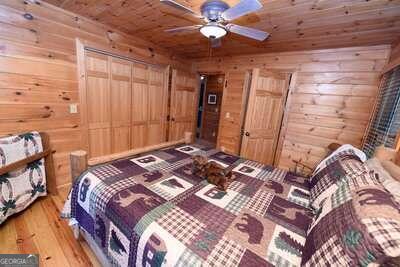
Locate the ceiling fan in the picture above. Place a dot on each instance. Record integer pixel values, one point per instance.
(216, 15)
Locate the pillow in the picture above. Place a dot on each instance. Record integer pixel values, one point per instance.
(20, 187)
(392, 169)
(357, 225)
(384, 176)
(393, 187)
(375, 165)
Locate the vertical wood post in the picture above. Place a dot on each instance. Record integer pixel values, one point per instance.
(188, 137)
(51, 182)
(78, 163)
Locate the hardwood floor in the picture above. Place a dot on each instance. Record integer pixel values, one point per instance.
(40, 230)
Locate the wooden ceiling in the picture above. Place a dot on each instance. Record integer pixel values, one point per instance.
(293, 24)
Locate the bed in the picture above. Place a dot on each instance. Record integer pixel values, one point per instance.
(155, 211)
(150, 210)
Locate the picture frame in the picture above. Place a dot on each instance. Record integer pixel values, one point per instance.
(212, 99)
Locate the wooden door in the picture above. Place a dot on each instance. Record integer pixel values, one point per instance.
(98, 104)
(183, 110)
(212, 110)
(265, 107)
(157, 105)
(120, 104)
(234, 100)
(140, 81)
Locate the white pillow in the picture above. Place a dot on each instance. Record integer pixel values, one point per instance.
(388, 182)
(375, 164)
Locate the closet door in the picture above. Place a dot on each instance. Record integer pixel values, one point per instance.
(157, 105)
(121, 83)
(184, 97)
(98, 103)
(265, 107)
(140, 81)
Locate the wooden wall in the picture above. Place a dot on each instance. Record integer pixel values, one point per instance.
(394, 56)
(211, 113)
(38, 74)
(331, 101)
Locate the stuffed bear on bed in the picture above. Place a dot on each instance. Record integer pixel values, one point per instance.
(212, 171)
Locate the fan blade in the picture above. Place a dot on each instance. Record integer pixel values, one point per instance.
(176, 5)
(242, 8)
(184, 28)
(248, 32)
(215, 42)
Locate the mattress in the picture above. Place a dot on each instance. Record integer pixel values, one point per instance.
(150, 210)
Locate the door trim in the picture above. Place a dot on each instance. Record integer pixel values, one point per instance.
(285, 119)
(245, 104)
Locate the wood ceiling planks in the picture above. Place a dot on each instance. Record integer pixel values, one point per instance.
(293, 24)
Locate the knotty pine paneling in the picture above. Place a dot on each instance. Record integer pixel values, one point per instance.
(38, 72)
(331, 101)
(294, 25)
(394, 56)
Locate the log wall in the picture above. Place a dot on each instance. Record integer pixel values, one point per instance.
(332, 97)
(38, 72)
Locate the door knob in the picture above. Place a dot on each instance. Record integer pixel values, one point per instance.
(247, 134)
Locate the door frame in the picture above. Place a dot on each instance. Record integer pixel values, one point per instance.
(207, 74)
(204, 98)
(285, 112)
(204, 101)
(285, 118)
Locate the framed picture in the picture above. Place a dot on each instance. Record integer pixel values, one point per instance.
(212, 99)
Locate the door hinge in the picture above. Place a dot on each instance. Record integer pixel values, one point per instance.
(226, 83)
(168, 118)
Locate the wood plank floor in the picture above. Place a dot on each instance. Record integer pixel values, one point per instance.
(39, 229)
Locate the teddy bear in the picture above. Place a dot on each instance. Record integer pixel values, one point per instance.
(212, 171)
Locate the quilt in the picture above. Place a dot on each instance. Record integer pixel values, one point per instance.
(357, 220)
(151, 210)
(19, 188)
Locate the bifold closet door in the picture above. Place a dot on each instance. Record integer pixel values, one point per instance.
(140, 85)
(121, 84)
(98, 104)
(265, 107)
(157, 105)
(184, 97)
(149, 105)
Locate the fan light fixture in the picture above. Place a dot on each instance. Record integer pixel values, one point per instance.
(213, 31)
(217, 15)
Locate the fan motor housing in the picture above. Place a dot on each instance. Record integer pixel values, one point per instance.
(212, 9)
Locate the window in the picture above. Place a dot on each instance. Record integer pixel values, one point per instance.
(386, 121)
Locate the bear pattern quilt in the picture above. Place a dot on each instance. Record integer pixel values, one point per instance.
(152, 211)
